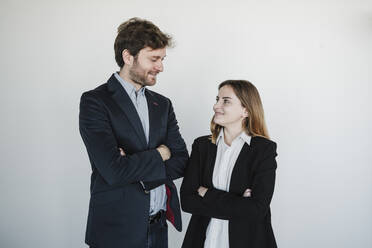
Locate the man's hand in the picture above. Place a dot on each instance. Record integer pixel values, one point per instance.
(202, 190)
(247, 193)
(164, 152)
(122, 153)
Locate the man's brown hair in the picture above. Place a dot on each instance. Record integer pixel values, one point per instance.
(136, 34)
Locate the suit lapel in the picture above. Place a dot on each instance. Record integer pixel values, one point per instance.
(154, 117)
(237, 175)
(211, 159)
(125, 103)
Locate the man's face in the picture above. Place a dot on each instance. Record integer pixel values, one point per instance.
(147, 64)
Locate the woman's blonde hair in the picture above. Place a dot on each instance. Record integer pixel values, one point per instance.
(254, 124)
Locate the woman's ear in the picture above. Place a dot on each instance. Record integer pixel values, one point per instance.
(245, 113)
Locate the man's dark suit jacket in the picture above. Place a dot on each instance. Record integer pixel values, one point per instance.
(119, 204)
(249, 217)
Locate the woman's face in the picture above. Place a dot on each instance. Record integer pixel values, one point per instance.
(228, 110)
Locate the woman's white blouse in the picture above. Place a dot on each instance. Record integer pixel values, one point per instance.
(218, 230)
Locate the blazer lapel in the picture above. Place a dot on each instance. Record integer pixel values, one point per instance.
(237, 175)
(125, 103)
(154, 118)
(211, 159)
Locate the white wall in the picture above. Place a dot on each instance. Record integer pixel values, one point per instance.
(310, 60)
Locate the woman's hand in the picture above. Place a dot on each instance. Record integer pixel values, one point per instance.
(122, 153)
(202, 190)
(247, 193)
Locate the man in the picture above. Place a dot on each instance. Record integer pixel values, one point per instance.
(134, 146)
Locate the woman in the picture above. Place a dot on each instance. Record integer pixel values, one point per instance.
(230, 177)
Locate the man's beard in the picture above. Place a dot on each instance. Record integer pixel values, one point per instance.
(137, 74)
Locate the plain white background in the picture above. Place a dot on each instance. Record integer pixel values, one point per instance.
(310, 60)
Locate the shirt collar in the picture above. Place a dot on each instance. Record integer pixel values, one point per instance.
(129, 88)
(220, 136)
(244, 136)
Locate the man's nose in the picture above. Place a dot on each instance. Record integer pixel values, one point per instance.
(159, 66)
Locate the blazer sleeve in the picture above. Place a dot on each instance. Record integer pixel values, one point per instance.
(102, 147)
(255, 207)
(191, 202)
(175, 166)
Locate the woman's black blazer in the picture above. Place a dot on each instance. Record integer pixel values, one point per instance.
(249, 217)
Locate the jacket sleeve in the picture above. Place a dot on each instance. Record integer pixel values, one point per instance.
(175, 166)
(102, 147)
(255, 207)
(225, 205)
(191, 202)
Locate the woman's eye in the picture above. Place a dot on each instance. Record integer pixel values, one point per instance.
(225, 101)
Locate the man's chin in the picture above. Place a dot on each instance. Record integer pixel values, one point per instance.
(150, 82)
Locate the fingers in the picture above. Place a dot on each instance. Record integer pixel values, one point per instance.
(122, 153)
(247, 193)
(164, 147)
(164, 152)
(202, 190)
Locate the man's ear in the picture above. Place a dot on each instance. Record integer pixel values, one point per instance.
(127, 57)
